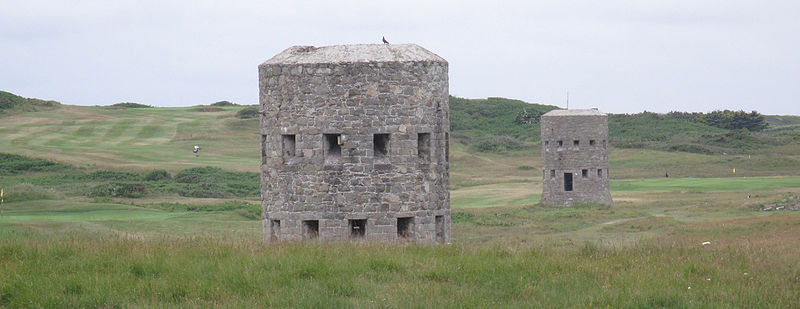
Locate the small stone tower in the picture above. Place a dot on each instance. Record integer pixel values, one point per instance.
(355, 144)
(575, 157)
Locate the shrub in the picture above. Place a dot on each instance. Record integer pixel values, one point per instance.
(157, 175)
(11, 164)
(224, 103)
(248, 113)
(118, 189)
(131, 105)
(496, 144)
(107, 175)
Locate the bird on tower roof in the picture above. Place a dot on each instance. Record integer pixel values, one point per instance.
(384, 40)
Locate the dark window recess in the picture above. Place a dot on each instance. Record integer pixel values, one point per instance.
(599, 173)
(311, 229)
(380, 145)
(358, 228)
(591, 142)
(585, 174)
(546, 143)
(552, 174)
(439, 229)
(275, 226)
(405, 227)
(560, 143)
(447, 147)
(263, 149)
(332, 144)
(576, 143)
(567, 182)
(424, 146)
(604, 144)
(288, 142)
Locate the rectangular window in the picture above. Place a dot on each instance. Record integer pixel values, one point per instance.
(584, 174)
(546, 143)
(332, 148)
(439, 220)
(311, 229)
(591, 142)
(263, 149)
(604, 144)
(288, 141)
(552, 174)
(567, 182)
(275, 227)
(380, 145)
(599, 173)
(576, 143)
(560, 143)
(358, 228)
(405, 227)
(424, 146)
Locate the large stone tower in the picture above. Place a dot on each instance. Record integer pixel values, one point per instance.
(575, 157)
(355, 144)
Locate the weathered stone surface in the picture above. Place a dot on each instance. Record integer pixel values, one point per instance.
(355, 115)
(575, 144)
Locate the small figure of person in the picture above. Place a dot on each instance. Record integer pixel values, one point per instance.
(196, 150)
(666, 174)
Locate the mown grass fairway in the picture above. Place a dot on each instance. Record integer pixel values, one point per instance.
(64, 242)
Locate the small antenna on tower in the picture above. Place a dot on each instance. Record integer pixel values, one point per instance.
(567, 99)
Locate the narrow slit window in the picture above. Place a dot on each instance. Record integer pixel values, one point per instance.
(604, 144)
(424, 146)
(405, 227)
(275, 227)
(380, 145)
(552, 174)
(560, 144)
(599, 173)
(332, 146)
(546, 144)
(447, 147)
(263, 149)
(584, 174)
(591, 142)
(567, 182)
(439, 220)
(288, 142)
(311, 229)
(358, 228)
(576, 143)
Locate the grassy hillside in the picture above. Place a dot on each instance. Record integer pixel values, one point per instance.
(12, 103)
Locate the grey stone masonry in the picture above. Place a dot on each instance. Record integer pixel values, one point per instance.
(355, 144)
(575, 157)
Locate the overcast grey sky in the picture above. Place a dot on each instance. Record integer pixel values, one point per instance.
(619, 56)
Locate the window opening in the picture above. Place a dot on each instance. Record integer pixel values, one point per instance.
(288, 142)
(358, 228)
(263, 149)
(584, 174)
(546, 143)
(560, 143)
(567, 182)
(439, 228)
(424, 146)
(311, 229)
(576, 143)
(599, 173)
(591, 142)
(275, 227)
(552, 174)
(380, 145)
(405, 227)
(332, 148)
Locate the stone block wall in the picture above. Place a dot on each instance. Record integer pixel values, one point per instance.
(575, 145)
(354, 141)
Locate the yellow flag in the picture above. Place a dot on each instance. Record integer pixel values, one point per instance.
(734, 171)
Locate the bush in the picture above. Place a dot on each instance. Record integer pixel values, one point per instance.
(224, 103)
(106, 175)
(496, 144)
(216, 182)
(157, 175)
(131, 105)
(248, 113)
(118, 189)
(11, 164)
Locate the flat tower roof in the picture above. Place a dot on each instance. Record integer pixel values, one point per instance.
(354, 53)
(575, 112)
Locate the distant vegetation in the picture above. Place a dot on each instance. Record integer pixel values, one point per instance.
(224, 103)
(248, 113)
(10, 102)
(130, 105)
(11, 164)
